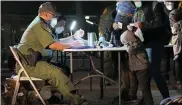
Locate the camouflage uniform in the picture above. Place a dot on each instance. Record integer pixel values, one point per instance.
(37, 36)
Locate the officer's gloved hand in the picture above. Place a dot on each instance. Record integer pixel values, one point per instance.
(79, 34)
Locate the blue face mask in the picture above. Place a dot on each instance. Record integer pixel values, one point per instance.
(59, 30)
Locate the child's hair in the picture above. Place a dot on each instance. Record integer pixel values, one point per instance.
(178, 16)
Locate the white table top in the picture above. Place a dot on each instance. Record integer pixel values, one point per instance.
(101, 49)
(96, 49)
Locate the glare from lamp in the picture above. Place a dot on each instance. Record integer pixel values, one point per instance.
(89, 22)
(87, 17)
(73, 25)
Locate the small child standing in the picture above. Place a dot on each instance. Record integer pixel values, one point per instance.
(177, 45)
(138, 62)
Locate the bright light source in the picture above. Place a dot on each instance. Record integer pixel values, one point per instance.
(87, 17)
(73, 25)
(89, 22)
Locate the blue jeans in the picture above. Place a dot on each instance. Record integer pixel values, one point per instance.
(155, 52)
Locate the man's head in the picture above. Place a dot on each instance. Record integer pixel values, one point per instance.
(47, 11)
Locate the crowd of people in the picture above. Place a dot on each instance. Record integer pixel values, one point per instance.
(159, 23)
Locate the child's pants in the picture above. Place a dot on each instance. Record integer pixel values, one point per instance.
(142, 78)
(178, 68)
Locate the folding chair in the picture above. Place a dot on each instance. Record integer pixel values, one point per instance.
(19, 78)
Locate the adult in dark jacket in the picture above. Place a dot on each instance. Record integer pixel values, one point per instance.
(151, 21)
(168, 6)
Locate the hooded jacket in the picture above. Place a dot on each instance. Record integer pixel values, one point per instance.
(138, 59)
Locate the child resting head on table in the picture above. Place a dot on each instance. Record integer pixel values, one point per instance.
(138, 62)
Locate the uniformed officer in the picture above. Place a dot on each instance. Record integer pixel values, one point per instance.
(38, 37)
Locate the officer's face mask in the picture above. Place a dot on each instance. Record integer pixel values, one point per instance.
(138, 4)
(59, 30)
(53, 22)
(169, 5)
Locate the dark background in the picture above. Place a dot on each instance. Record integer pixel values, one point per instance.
(65, 7)
(19, 14)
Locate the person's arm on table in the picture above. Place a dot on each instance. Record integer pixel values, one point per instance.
(47, 41)
(58, 46)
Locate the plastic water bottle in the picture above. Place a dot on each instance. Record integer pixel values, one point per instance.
(90, 38)
(102, 42)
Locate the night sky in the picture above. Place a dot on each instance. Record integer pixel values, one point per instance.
(65, 7)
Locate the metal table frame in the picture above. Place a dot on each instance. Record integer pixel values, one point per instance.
(101, 50)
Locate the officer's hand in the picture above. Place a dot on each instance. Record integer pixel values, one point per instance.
(115, 26)
(79, 33)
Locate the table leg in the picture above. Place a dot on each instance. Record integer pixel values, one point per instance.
(62, 57)
(119, 72)
(90, 74)
(57, 55)
(71, 66)
(65, 58)
(101, 79)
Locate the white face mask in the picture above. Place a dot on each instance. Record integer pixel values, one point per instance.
(59, 30)
(160, 0)
(138, 4)
(170, 6)
(53, 22)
